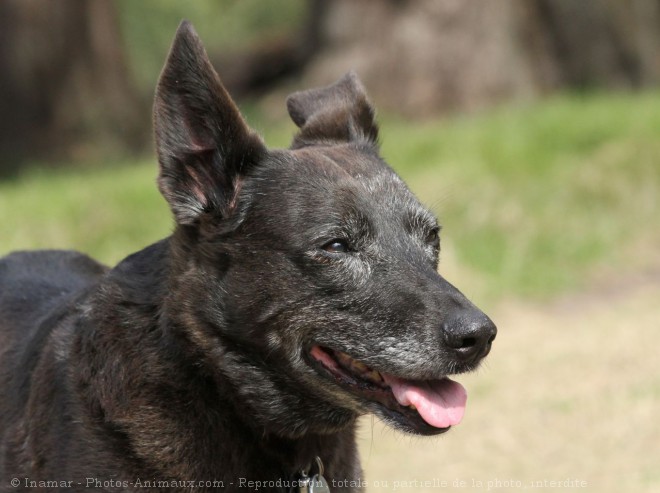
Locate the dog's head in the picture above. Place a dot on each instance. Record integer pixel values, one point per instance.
(307, 276)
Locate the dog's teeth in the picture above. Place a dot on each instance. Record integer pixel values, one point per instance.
(412, 406)
(375, 376)
(343, 357)
(361, 367)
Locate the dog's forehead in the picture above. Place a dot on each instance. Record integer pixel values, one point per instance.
(344, 177)
(354, 170)
(352, 159)
(347, 165)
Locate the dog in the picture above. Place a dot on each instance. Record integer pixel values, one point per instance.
(298, 290)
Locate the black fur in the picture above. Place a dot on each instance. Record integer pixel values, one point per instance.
(190, 360)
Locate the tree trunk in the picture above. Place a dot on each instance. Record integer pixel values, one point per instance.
(255, 70)
(425, 57)
(64, 84)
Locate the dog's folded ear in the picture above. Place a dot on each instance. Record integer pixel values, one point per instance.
(340, 112)
(203, 143)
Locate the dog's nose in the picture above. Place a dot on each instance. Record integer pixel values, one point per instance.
(470, 334)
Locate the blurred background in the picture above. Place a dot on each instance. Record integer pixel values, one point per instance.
(530, 126)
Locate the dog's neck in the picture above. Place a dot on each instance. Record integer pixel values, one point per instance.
(179, 399)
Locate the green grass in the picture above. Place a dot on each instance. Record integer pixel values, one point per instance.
(107, 213)
(533, 199)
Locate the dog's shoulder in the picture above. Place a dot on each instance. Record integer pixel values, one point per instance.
(35, 289)
(46, 273)
(32, 282)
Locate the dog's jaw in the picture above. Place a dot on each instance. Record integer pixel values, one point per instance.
(426, 407)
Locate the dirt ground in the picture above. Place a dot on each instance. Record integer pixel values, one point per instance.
(569, 400)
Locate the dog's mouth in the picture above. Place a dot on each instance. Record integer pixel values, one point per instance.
(427, 407)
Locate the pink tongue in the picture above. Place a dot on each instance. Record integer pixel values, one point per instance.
(441, 403)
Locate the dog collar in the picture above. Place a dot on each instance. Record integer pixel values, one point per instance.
(308, 483)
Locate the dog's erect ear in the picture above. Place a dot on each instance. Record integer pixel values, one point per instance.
(204, 146)
(340, 112)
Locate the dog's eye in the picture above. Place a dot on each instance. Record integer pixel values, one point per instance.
(433, 236)
(336, 246)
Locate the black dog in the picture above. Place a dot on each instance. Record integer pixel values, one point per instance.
(298, 291)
